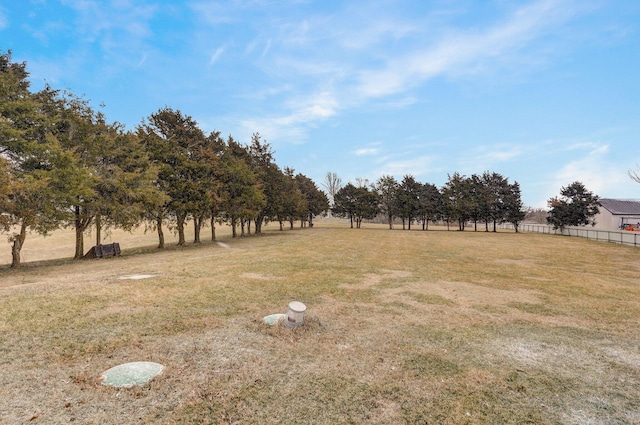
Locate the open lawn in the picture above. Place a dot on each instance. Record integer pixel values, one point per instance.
(402, 327)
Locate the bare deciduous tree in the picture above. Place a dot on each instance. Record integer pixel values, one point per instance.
(332, 183)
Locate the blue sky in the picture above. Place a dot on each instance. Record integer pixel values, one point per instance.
(544, 92)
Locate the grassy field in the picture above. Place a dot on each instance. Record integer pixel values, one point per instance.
(402, 327)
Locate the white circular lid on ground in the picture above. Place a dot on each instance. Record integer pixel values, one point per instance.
(129, 374)
(297, 306)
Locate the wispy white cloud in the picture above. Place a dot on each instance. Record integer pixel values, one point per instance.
(591, 168)
(366, 151)
(292, 125)
(142, 60)
(418, 166)
(4, 21)
(460, 50)
(600, 174)
(364, 61)
(98, 21)
(265, 51)
(486, 156)
(216, 55)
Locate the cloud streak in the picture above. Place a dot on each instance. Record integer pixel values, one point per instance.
(457, 51)
(336, 67)
(4, 21)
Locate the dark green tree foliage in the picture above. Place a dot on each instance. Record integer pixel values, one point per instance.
(215, 149)
(44, 179)
(459, 199)
(430, 201)
(513, 208)
(388, 190)
(176, 146)
(271, 179)
(125, 189)
(317, 201)
(81, 132)
(295, 204)
(344, 202)
(355, 203)
(241, 197)
(206, 176)
(494, 188)
(408, 201)
(368, 205)
(576, 206)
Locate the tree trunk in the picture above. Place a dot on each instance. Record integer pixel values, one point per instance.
(494, 226)
(79, 244)
(281, 225)
(197, 225)
(234, 222)
(160, 233)
(258, 225)
(98, 229)
(15, 253)
(180, 222)
(213, 228)
(17, 245)
(81, 225)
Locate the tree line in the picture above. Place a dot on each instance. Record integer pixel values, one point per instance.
(62, 164)
(488, 198)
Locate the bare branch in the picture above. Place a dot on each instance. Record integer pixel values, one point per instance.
(635, 175)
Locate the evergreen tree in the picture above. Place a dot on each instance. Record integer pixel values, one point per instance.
(429, 204)
(241, 197)
(408, 200)
(45, 179)
(458, 197)
(317, 201)
(388, 190)
(576, 206)
(513, 208)
(177, 146)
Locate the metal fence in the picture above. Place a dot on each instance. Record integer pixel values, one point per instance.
(623, 237)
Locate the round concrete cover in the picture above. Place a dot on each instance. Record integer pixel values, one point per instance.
(135, 276)
(273, 319)
(130, 374)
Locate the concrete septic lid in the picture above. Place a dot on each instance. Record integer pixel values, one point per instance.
(273, 319)
(136, 276)
(129, 374)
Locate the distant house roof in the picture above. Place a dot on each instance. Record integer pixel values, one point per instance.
(621, 206)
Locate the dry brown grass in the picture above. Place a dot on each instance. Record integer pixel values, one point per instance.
(401, 327)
